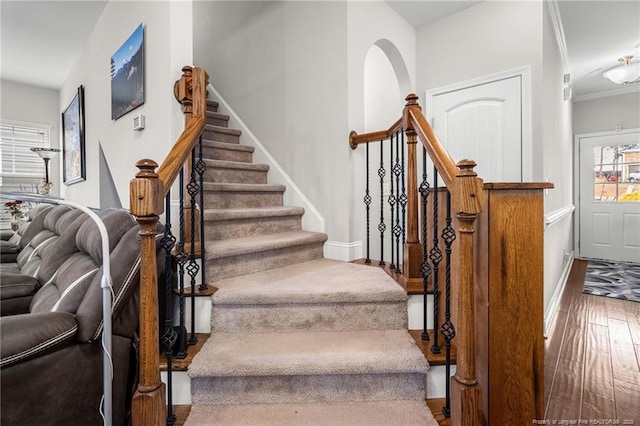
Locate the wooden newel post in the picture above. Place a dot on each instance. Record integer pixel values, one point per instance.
(412, 247)
(148, 403)
(466, 394)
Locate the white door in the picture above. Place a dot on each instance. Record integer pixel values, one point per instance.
(609, 196)
(483, 122)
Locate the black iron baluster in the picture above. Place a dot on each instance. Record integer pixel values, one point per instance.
(367, 203)
(435, 255)
(181, 259)
(201, 167)
(169, 337)
(397, 230)
(392, 201)
(448, 330)
(403, 196)
(192, 267)
(425, 268)
(381, 227)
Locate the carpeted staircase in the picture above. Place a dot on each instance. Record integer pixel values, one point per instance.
(296, 339)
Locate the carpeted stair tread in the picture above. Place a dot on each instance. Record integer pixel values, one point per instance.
(237, 165)
(261, 243)
(217, 115)
(308, 353)
(243, 187)
(350, 413)
(227, 145)
(313, 282)
(212, 104)
(220, 129)
(251, 213)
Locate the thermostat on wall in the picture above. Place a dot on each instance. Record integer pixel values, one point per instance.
(138, 122)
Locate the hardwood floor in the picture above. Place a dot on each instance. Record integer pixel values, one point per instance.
(592, 357)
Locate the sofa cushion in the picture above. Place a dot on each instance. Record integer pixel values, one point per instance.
(43, 237)
(54, 252)
(9, 251)
(15, 285)
(75, 286)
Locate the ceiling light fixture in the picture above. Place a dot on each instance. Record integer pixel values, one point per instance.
(625, 72)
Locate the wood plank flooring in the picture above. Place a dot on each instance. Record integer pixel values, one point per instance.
(592, 357)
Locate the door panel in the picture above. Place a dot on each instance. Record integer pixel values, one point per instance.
(483, 123)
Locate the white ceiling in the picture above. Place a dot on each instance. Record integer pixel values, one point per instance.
(40, 40)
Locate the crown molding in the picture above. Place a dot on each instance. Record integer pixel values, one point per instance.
(554, 11)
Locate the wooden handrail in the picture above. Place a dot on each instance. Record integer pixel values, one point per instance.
(466, 196)
(146, 196)
(355, 138)
(414, 119)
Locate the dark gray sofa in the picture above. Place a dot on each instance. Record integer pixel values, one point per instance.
(51, 356)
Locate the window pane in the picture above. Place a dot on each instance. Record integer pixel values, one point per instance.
(616, 173)
(20, 169)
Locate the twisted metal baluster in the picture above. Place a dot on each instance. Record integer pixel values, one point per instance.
(435, 255)
(192, 268)
(169, 337)
(403, 197)
(448, 330)
(367, 203)
(397, 230)
(392, 202)
(181, 259)
(201, 167)
(425, 268)
(381, 227)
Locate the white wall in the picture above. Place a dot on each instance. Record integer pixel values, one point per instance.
(374, 29)
(282, 66)
(167, 45)
(28, 104)
(484, 39)
(604, 114)
(557, 146)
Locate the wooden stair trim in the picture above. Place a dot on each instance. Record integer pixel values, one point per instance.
(192, 351)
(425, 347)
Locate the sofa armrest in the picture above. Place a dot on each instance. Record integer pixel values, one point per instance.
(5, 234)
(16, 285)
(30, 335)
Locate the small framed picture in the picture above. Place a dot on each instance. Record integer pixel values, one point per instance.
(73, 148)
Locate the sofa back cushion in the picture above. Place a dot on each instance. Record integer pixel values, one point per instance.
(43, 237)
(53, 252)
(76, 285)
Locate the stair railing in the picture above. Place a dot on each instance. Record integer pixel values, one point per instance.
(421, 261)
(149, 194)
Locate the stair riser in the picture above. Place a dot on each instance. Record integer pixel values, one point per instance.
(311, 317)
(233, 266)
(212, 135)
(212, 106)
(225, 175)
(311, 388)
(218, 121)
(223, 229)
(227, 155)
(238, 200)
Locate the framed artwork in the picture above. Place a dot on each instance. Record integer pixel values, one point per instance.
(73, 158)
(127, 75)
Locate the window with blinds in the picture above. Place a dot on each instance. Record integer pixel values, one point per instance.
(20, 168)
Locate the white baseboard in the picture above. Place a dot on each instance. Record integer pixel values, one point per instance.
(345, 252)
(552, 309)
